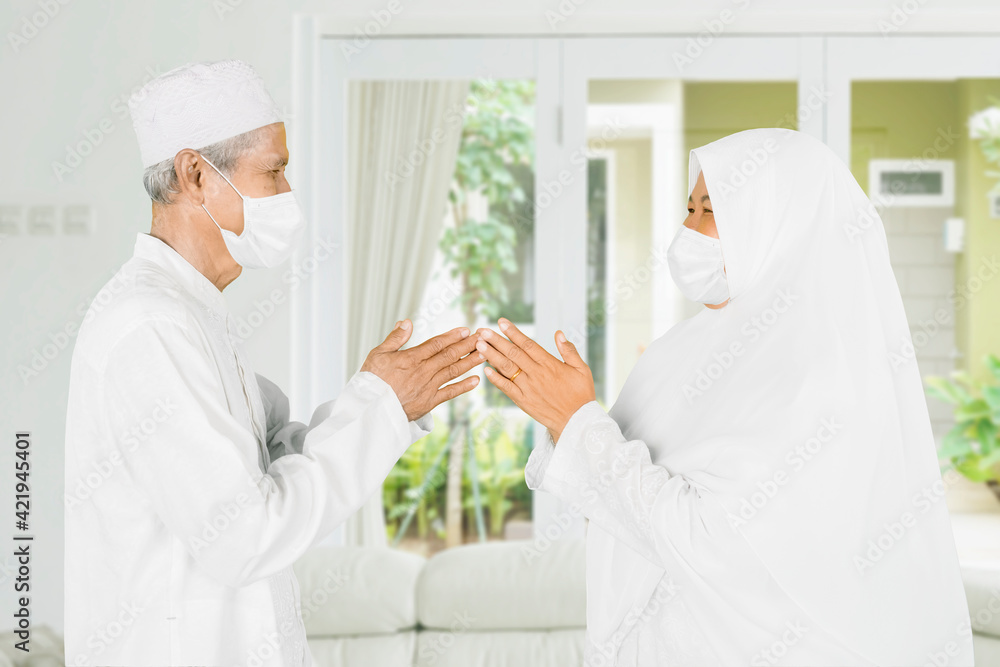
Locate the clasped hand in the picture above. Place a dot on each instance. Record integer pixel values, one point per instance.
(545, 388)
(418, 373)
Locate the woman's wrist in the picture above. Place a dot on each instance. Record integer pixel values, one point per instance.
(556, 431)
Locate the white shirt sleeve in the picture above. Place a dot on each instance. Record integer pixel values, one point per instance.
(615, 484)
(198, 467)
(285, 436)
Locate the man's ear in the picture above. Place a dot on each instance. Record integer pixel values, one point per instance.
(192, 176)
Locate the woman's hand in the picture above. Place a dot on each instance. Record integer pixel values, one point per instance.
(548, 390)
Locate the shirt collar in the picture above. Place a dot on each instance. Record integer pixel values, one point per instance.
(153, 249)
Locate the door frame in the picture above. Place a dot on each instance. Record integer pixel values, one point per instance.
(898, 58)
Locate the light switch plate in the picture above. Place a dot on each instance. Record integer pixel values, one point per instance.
(78, 220)
(11, 220)
(954, 234)
(42, 220)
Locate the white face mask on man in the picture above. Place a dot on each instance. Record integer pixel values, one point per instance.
(271, 226)
(696, 265)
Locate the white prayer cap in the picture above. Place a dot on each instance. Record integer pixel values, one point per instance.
(196, 105)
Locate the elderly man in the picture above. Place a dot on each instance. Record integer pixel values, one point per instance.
(190, 494)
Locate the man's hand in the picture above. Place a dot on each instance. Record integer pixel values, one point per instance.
(416, 374)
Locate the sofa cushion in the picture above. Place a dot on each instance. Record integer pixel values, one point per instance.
(512, 648)
(357, 590)
(395, 650)
(982, 591)
(511, 585)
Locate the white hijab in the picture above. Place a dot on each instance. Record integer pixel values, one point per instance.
(793, 221)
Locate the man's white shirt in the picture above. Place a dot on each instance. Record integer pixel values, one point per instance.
(189, 493)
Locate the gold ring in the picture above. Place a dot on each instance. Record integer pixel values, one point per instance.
(516, 373)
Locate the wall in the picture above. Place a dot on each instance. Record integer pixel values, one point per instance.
(65, 88)
(914, 120)
(927, 120)
(978, 324)
(902, 119)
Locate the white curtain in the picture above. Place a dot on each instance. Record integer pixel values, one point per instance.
(403, 139)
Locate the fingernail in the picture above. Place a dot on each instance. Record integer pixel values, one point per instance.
(489, 371)
(406, 324)
(481, 355)
(481, 346)
(465, 333)
(486, 333)
(560, 337)
(475, 380)
(503, 324)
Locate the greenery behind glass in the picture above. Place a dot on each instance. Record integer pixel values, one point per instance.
(491, 256)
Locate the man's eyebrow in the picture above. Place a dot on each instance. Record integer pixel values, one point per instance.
(277, 162)
(703, 198)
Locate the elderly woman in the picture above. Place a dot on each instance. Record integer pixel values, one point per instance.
(765, 490)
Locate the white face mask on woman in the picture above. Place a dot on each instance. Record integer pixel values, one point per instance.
(696, 265)
(271, 226)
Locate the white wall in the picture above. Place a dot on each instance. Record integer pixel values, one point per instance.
(67, 82)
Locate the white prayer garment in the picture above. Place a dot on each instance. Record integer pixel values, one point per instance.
(189, 493)
(765, 490)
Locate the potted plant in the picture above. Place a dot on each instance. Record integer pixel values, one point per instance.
(972, 446)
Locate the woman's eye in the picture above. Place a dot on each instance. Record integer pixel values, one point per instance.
(690, 210)
(708, 210)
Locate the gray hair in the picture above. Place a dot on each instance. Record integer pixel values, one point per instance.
(160, 179)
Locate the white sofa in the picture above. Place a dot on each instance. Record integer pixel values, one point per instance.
(494, 604)
(982, 590)
(488, 604)
(498, 603)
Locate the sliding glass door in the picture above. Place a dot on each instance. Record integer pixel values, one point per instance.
(570, 180)
(456, 121)
(568, 183)
(632, 110)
